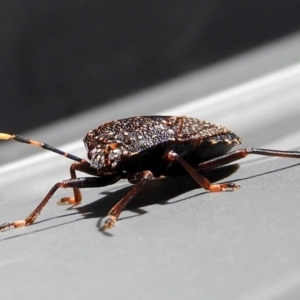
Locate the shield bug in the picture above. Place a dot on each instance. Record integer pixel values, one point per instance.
(141, 148)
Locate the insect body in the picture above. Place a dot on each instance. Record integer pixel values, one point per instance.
(142, 148)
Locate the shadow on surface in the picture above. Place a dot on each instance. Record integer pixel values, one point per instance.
(158, 191)
(154, 192)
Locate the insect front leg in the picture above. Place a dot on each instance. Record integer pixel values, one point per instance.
(76, 199)
(201, 180)
(139, 179)
(83, 182)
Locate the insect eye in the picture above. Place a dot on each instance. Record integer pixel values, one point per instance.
(114, 146)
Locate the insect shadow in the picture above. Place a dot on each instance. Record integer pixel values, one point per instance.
(156, 191)
(160, 191)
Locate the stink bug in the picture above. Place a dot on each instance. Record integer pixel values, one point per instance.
(142, 148)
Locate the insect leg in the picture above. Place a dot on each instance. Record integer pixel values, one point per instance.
(201, 180)
(77, 194)
(241, 153)
(139, 179)
(21, 139)
(83, 182)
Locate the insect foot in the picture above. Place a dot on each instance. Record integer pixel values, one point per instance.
(16, 224)
(223, 187)
(67, 201)
(110, 223)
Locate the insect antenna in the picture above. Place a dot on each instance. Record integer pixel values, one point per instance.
(21, 139)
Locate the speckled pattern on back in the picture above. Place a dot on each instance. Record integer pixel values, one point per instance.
(141, 133)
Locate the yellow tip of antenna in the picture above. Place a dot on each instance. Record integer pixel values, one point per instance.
(5, 136)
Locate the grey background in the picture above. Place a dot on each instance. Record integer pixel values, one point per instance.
(61, 57)
(179, 242)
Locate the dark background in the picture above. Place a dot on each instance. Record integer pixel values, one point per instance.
(61, 57)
